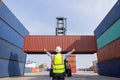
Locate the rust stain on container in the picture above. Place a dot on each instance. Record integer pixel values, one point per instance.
(81, 44)
(110, 52)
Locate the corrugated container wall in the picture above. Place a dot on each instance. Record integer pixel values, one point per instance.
(110, 52)
(10, 51)
(82, 44)
(72, 62)
(9, 34)
(11, 68)
(109, 68)
(110, 35)
(110, 18)
(11, 20)
(12, 32)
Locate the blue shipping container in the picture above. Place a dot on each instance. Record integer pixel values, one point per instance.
(110, 19)
(10, 35)
(11, 52)
(12, 32)
(9, 18)
(109, 68)
(112, 34)
(11, 68)
(27, 70)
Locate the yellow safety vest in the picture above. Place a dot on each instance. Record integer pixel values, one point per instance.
(58, 66)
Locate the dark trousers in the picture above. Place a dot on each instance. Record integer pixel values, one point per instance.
(69, 73)
(51, 73)
(58, 76)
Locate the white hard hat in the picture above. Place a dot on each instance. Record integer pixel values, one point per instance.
(58, 49)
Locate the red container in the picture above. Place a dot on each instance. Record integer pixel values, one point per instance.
(34, 70)
(81, 44)
(71, 58)
(110, 52)
(73, 70)
(72, 55)
(72, 63)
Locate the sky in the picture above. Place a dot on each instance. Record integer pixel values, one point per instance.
(39, 18)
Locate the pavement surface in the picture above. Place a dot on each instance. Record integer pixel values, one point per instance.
(81, 75)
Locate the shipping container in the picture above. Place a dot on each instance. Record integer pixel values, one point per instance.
(73, 70)
(11, 68)
(72, 55)
(42, 70)
(11, 52)
(10, 19)
(71, 58)
(82, 44)
(34, 70)
(4, 68)
(109, 68)
(72, 63)
(112, 51)
(27, 70)
(12, 32)
(110, 35)
(10, 35)
(109, 20)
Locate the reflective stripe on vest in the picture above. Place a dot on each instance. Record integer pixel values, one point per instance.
(58, 66)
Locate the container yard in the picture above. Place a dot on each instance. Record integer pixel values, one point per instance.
(16, 43)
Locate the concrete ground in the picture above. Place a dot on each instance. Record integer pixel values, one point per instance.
(81, 75)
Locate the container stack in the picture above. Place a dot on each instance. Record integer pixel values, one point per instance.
(72, 62)
(108, 41)
(12, 32)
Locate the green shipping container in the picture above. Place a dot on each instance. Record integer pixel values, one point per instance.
(109, 35)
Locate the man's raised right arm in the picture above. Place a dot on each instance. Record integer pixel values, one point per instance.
(49, 54)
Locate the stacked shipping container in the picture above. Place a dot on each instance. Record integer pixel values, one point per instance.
(108, 40)
(72, 62)
(12, 32)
